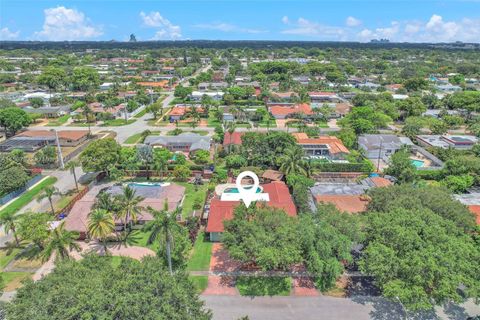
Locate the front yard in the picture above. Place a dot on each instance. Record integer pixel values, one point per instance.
(264, 286)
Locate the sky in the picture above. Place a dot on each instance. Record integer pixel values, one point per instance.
(311, 20)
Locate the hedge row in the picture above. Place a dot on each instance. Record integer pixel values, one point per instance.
(342, 167)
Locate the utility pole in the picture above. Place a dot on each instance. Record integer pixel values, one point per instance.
(379, 155)
(59, 150)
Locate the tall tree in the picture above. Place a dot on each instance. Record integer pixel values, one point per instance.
(129, 207)
(420, 258)
(100, 225)
(165, 229)
(96, 288)
(48, 193)
(60, 242)
(72, 165)
(13, 119)
(292, 161)
(9, 220)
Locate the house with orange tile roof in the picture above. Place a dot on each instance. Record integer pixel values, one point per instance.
(329, 147)
(282, 111)
(220, 211)
(232, 139)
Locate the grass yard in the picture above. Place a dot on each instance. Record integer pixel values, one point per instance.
(13, 280)
(264, 286)
(81, 124)
(141, 113)
(28, 196)
(202, 251)
(117, 122)
(6, 256)
(321, 124)
(133, 138)
(243, 125)
(200, 132)
(140, 238)
(212, 121)
(58, 122)
(191, 195)
(199, 282)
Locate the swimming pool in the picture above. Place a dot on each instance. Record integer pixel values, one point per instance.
(417, 163)
(145, 184)
(235, 190)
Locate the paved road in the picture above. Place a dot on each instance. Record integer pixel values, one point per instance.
(318, 308)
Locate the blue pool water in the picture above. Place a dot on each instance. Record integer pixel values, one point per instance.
(417, 163)
(235, 190)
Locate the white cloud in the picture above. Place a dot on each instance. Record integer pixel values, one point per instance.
(435, 29)
(6, 34)
(314, 29)
(66, 24)
(226, 27)
(167, 30)
(352, 22)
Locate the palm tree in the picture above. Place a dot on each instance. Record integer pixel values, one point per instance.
(60, 241)
(87, 112)
(71, 165)
(130, 209)
(100, 225)
(292, 161)
(9, 221)
(162, 224)
(160, 165)
(48, 193)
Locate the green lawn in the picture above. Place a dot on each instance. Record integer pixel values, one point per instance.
(141, 113)
(191, 195)
(200, 258)
(199, 282)
(243, 125)
(133, 138)
(140, 238)
(28, 196)
(6, 256)
(212, 121)
(58, 122)
(13, 280)
(81, 124)
(117, 122)
(264, 286)
(200, 132)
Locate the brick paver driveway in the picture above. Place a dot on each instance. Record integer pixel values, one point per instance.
(221, 262)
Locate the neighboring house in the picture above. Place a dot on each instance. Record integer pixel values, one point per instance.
(106, 85)
(232, 139)
(319, 97)
(177, 113)
(324, 146)
(346, 197)
(284, 96)
(393, 87)
(220, 211)
(436, 112)
(472, 201)
(204, 86)
(448, 88)
(285, 111)
(197, 95)
(170, 193)
(30, 141)
(447, 141)
(381, 145)
(338, 110)
(228, 117)
(185, 142)
(369, 85)
(49, 112)
(116, 111)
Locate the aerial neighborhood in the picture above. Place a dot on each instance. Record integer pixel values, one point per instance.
(120, 167)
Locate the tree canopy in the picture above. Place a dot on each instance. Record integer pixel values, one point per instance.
(95, 288)
(420, 258)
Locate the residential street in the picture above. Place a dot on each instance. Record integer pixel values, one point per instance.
(319, 308)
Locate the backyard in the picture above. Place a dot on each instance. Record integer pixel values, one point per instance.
(194, 198)
(200, 258)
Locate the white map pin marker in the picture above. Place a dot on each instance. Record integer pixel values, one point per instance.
(247, 194)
